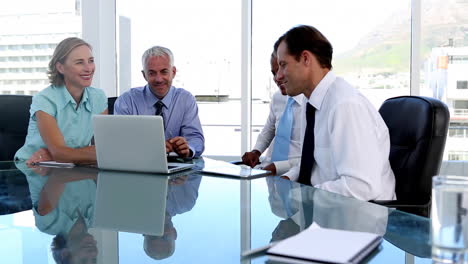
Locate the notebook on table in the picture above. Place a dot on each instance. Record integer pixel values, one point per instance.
(323, 245)
(131, 202)
(132, 143)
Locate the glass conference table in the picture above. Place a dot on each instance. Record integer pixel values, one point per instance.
(85, 215)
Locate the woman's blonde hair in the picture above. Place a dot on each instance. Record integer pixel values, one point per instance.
(60, 55)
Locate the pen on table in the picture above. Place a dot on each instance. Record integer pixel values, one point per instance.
(257, 251)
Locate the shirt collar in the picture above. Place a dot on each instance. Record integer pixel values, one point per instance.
(66, 98)
(300, 99)
(317, 96)
(151, 99)
(85, 100)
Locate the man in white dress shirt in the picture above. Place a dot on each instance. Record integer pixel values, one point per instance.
(267, 135)
(350, 141)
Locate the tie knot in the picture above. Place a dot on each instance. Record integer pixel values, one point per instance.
(310, 109)
(159, 106)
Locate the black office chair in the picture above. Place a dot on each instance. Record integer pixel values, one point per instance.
(418, 130)
(110, 104)
(14, 121)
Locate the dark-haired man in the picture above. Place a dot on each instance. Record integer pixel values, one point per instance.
(282, 133)
(346, 143)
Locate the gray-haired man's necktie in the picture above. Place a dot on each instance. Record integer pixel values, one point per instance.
(159, 106)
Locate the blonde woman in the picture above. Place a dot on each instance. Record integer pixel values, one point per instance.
(60, 125)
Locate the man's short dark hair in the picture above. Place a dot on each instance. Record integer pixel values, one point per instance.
(277, 43)
(304, 37)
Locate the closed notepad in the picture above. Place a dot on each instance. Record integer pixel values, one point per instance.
(327, 245)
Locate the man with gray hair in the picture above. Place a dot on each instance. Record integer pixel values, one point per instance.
(176, 106)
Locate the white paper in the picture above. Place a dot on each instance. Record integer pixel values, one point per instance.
(322, 244)
(55, 164)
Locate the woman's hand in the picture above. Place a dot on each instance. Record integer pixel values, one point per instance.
(40, 155)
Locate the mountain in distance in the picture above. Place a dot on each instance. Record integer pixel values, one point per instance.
(387, 48)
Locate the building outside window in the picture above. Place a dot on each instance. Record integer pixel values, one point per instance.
(444, 58)
(30, 31)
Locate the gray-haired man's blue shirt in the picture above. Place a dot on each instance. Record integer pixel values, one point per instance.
(180, 113)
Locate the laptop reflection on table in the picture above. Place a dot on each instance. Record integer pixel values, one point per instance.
(131, 202)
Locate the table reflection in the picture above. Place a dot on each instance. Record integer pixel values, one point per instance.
(67, 202)
(182, 195)
(63, 206)
(299, 206)
(143, 217)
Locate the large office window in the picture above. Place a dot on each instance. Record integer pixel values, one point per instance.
(29, 33)
(444, 66)
(205, 39)
(371, 51)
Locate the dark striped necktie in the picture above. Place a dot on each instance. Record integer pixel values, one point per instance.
(159, 106)
(308, 160)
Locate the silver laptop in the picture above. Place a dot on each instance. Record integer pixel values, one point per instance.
(132, 143)
(131, 202)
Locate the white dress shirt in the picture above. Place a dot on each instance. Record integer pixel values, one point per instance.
(352, 144)
(266, 136)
